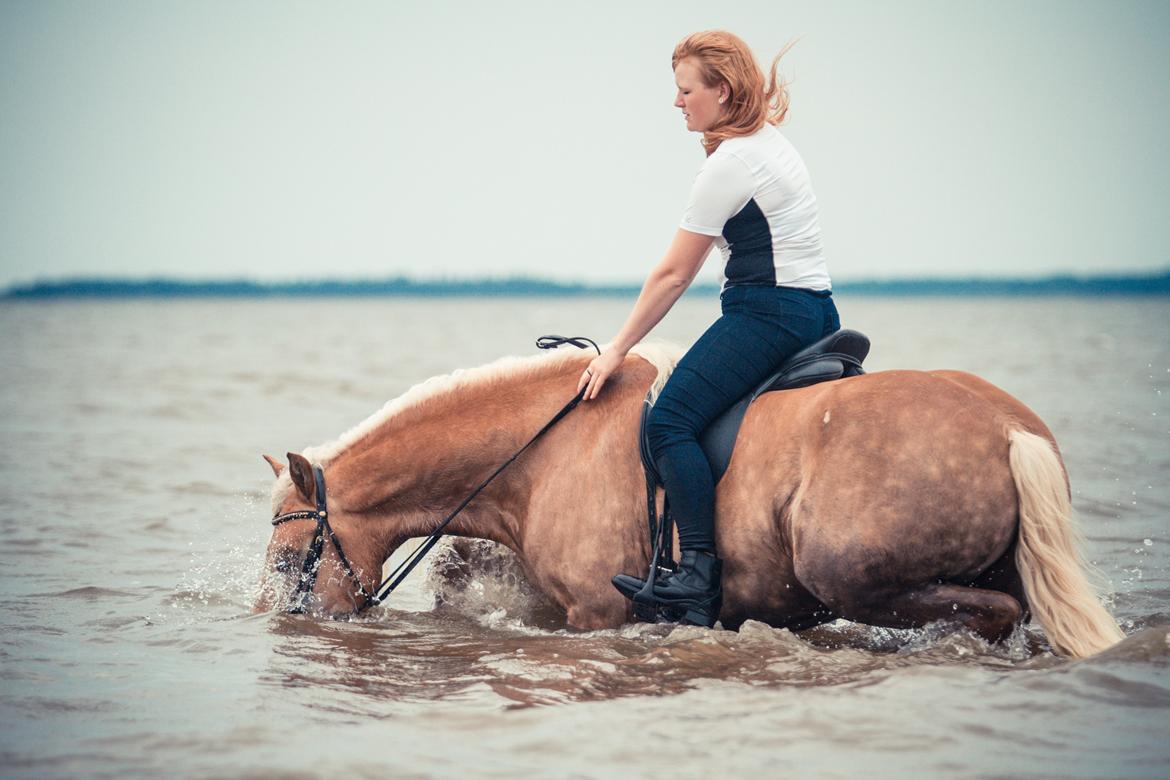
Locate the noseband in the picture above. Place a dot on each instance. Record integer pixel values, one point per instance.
(308, 579)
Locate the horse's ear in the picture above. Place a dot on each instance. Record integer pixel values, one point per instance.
(301, 472)
(277, 466)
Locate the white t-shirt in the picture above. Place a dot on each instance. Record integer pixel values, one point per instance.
(753, 194)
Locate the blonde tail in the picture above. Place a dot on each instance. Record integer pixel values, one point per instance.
(1048, 555)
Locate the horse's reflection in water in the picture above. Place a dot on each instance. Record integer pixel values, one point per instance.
(364, 658)
(896, 499)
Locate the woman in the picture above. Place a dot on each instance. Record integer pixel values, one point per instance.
(752, 198)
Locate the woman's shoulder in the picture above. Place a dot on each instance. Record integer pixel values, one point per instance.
(764, 136)
(737, 149)
(723, 168)
(741, 151)
(761, 149)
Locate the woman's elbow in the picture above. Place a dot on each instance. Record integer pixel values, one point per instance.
(673, 279)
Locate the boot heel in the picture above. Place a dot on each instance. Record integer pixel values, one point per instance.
(696, 618)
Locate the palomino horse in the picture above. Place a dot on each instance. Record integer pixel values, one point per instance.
(895, 498)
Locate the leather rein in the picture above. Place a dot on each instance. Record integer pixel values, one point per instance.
(312, 563)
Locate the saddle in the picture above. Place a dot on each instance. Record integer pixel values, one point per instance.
(836, 356)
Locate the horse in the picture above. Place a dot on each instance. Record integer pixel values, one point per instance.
(896, 498)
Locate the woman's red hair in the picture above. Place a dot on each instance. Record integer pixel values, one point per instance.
(723, 58)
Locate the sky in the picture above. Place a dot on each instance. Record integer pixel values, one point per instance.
(293, 140)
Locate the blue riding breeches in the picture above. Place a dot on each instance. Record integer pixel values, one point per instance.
(760, 328)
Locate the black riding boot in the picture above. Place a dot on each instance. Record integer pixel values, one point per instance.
(694, 589)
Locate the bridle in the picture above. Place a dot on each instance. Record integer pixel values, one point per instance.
(308, 578)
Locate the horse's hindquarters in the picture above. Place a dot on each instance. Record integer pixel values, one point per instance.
(878, 486)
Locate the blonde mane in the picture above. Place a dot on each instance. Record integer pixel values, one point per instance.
(662, 355)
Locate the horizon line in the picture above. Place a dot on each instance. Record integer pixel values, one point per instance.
(163, 286)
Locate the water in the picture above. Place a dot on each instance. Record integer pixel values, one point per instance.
(136, 519)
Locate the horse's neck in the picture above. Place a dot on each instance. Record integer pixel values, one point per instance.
(419, 465)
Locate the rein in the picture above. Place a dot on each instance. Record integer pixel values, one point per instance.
(312, 562)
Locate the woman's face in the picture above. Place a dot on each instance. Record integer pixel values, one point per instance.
(699, 103)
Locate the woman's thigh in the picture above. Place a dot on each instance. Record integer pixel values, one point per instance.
(728, 361)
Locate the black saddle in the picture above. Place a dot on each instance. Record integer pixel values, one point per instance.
(836, 356)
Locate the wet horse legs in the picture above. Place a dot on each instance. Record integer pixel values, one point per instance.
(991, 614)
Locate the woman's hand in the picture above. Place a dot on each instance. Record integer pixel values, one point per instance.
(601, 369)
(663, 287)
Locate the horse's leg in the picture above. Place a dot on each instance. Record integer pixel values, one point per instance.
(1003, 576)
(991, 614)
(769, 592)
(793, 621)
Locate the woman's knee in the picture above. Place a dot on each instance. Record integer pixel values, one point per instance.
(665, 427)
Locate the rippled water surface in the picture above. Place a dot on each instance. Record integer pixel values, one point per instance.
(135, 521)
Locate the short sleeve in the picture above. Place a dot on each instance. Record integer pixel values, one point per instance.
(722, 188)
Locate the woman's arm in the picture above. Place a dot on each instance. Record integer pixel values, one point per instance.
(665, 284)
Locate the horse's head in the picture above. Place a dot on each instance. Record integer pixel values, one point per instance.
(316, 562)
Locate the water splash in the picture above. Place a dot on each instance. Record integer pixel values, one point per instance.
(224, 571)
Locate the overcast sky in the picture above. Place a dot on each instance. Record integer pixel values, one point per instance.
(291, 140)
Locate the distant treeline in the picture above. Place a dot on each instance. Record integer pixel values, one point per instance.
(1133, 284)
(247, 288)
